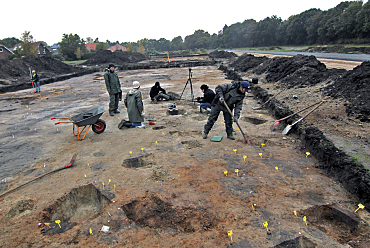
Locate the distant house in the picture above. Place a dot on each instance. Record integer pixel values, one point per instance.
(117, 47)
(42, 49)
(91, 46)
(4, 52)
(55, 49)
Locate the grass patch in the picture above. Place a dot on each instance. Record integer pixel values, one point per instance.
(74, 62)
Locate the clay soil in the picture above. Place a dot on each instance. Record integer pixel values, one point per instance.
(163, 185)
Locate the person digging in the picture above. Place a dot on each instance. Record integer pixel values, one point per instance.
(36, 81)
(232, 94)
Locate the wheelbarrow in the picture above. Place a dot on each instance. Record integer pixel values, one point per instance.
(87, 119)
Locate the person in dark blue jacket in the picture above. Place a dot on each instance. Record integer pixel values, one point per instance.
(232, 94)
(206, 100)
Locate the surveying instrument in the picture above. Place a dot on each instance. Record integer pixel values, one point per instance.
(191, 86)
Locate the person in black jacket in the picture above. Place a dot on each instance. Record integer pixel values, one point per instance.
(233, 95)
(36, 81)
(158, 93)
(206, 100)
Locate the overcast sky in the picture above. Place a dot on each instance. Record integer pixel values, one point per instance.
(134, 20)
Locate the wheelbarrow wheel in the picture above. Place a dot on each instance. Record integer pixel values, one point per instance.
(99, 126)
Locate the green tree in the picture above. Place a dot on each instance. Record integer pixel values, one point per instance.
(177, 44)
(79, 53)
(69, 45)
(10, 42)
(27, 48)
(101, 46)
(89, 40)
(200, 39)
(363, 21)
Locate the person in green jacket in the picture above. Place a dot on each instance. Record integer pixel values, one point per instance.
(114, 89)
(134, 104)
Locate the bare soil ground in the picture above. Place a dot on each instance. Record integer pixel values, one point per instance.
(163, 185)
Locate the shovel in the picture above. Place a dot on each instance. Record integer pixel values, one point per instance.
(254, 108)
(288, 127)
(39, 177)
(273, 126)
(237, 123)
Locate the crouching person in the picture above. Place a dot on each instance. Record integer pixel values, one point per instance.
(135, 107)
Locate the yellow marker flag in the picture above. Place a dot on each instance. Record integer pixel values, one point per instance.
(225, 172)
(230, 233)
(262, 145)
(85, 176)
(91, 233)
(109, 181)
(130, 153)
(360, 206)
(58, 221)
(103, 185)
(276, 168)
(259, 115)
(114, 186)
(295, 213)
(156, 142)
(235, 150)
(260, 154)
(142, 149)
(237, 172)
(245, 156)
(252, 206)
(265, 224)
(307, 153)
(305, 219)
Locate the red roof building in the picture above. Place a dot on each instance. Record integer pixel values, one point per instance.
(117, 47)
(4, 51)
(91, 46)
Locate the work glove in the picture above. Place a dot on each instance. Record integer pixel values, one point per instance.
(235, 120)
(222, 100)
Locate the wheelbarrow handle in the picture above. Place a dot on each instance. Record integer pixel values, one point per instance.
(63, 122)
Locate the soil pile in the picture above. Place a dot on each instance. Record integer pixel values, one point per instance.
(117, 57)
(247, 61)
(222, 54)
(354, 86)
(17, 70)
(300, 70)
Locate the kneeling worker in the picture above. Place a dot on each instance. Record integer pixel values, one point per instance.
(206, 100)
(158, 93)
(232, 94)
(134, 105)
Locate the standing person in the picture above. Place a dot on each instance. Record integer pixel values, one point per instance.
(36, 81)
(114, 89)
(232, 94)
(158, 93)
(206, 100)
(134, 105)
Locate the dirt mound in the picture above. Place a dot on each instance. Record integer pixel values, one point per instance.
(117, 57)
(291, 69)
(17, 70)
(247, 61)
(222, 54)
(354, 86)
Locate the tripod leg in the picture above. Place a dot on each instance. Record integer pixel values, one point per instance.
(184, 89)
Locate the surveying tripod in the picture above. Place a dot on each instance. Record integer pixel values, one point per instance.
(191, 86)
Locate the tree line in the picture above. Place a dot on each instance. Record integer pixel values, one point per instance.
(348, 22)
